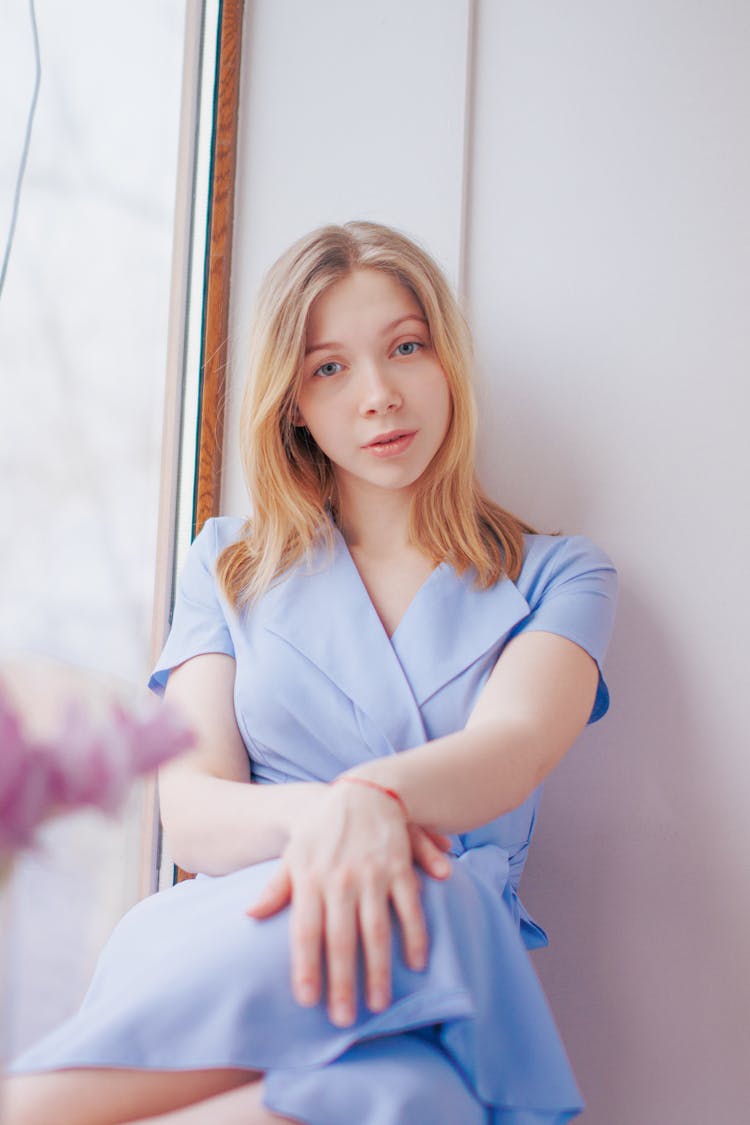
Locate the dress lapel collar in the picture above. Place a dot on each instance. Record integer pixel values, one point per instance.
(451, 624)
(323, 610)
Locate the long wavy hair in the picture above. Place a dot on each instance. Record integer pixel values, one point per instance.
(291, 481)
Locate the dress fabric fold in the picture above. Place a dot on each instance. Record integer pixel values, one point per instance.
(187, 980)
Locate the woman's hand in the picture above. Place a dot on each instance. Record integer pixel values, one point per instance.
(346, 862)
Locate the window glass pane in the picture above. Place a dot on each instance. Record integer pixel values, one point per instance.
(83, 336)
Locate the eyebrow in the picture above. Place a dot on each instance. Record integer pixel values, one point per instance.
(388, 328)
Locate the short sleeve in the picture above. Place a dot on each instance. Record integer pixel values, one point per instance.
(199, 623)
(571, 587)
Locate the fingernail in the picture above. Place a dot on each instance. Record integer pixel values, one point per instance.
(378, 1001)
(306, 993)
(342, 1014)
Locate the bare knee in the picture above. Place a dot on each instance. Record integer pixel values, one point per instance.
(109, 1097)
(26, 1101)
(62, 1097)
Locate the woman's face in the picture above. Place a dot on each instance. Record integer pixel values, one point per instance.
(373, 395)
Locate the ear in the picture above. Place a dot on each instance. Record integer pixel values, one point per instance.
(296, 416)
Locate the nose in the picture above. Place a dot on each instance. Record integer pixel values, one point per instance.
(379, 393)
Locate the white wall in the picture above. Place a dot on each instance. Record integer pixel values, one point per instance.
(606, 258)
(347, 112)
(609, 266)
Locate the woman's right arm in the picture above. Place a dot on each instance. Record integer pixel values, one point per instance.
(215, 821)
(339, 843)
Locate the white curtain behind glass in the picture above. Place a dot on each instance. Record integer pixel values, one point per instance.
(83, 328)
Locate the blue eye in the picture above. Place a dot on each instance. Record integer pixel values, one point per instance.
(412, 345)
(328, 369)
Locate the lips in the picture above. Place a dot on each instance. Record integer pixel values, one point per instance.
(391, 436)
(392, 444)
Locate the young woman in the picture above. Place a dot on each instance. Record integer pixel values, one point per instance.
(382, 666)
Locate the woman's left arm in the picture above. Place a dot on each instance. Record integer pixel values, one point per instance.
(341, 870)
(534, 705)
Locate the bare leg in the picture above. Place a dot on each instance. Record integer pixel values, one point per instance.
(242, 1106)
(111, 1097)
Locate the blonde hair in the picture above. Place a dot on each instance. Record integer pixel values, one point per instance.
(291, 481)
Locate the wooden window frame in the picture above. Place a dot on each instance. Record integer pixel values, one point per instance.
(218, 266)
(195, 394)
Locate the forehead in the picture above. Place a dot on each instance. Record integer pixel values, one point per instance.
(364, 299)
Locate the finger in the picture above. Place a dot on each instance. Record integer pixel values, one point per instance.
(428, 854)
(443, 842)
(341, 956)
(305, 935)
(408, 907)
(275, 895)
(375, 931)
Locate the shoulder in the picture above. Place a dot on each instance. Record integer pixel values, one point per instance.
(198, 570)
(217, 533)
(222, 531)
(551, 561)
(201, 617)
(570, 586)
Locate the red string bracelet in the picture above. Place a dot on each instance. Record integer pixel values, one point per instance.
(374, 785)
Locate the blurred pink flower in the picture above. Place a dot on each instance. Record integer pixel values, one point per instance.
(87, 761)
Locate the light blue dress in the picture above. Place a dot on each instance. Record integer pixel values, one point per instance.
(189, 981)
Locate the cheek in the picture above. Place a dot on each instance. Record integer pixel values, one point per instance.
(306, 412)
(443, 401)
(317, 420)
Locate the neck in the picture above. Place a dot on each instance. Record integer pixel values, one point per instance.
(374, 521)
